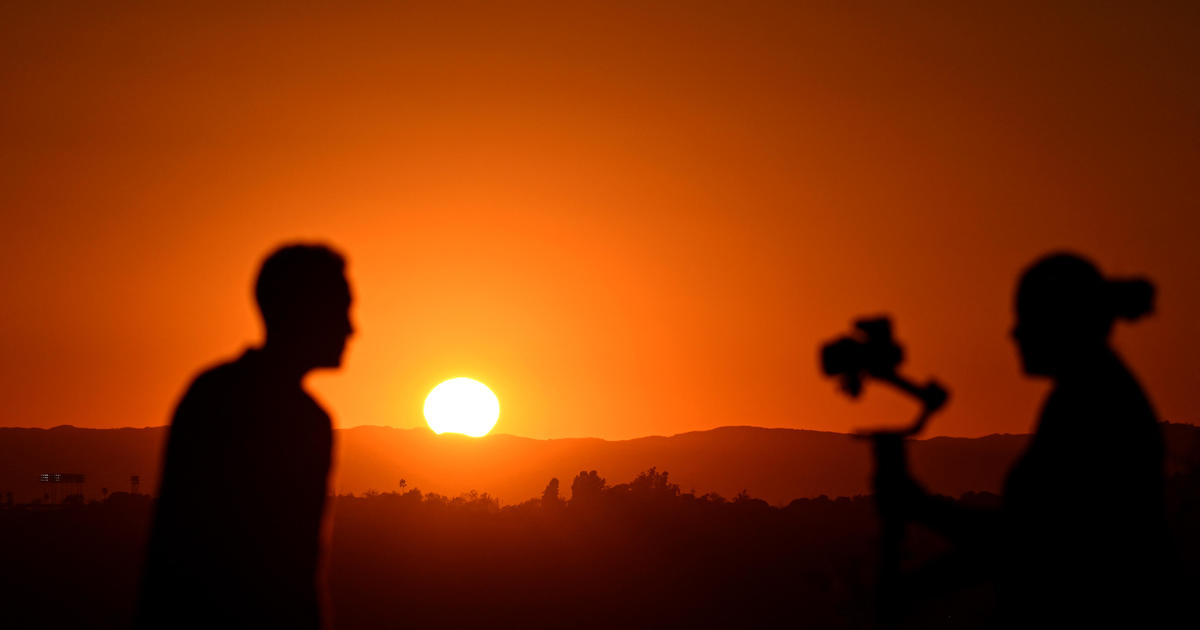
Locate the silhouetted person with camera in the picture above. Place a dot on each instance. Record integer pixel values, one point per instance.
(1081, 537)
(237, 529)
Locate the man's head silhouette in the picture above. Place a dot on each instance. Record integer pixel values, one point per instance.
(304, 298)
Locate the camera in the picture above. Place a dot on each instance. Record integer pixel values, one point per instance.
(868, 351)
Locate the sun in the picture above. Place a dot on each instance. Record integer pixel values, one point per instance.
(462, 405)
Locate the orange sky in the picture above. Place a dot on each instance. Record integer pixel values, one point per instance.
(626, 221)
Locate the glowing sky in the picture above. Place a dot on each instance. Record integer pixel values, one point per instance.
(624, 220)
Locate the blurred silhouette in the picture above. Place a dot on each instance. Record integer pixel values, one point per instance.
(872, 352)
(1081, 536)
(236, 533)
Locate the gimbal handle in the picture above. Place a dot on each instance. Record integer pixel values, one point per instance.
(891, 462)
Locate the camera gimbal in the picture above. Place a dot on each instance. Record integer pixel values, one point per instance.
(870, 352)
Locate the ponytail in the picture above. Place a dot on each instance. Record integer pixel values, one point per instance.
(1130, 299)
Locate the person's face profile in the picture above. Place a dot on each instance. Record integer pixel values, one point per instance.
(1048, 343)
(1038, 337)
(332, 328)
(1030, 348)
(317, 328)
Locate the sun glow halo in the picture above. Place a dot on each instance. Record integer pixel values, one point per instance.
(462, 405)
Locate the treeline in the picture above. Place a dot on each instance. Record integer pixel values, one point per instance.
(636, 554)
(639, 554)
(645, 554)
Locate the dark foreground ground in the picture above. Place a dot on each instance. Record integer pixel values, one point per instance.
(636, 555)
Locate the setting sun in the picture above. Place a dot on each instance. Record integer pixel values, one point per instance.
(462, 405)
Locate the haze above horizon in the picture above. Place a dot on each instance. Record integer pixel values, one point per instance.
(627, 221)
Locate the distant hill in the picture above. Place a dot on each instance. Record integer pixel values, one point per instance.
(777, 465)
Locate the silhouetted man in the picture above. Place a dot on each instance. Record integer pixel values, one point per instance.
(236, 534)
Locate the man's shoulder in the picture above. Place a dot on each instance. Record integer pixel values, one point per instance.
(221, 374)
(224, 380)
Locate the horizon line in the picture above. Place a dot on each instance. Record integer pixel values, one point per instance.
(451, 435)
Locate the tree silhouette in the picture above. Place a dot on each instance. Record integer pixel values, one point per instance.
(550, 494)
(587, 487)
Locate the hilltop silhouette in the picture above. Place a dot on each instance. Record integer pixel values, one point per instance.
(777, 465)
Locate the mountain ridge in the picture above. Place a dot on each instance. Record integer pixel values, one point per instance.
(777, 464)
